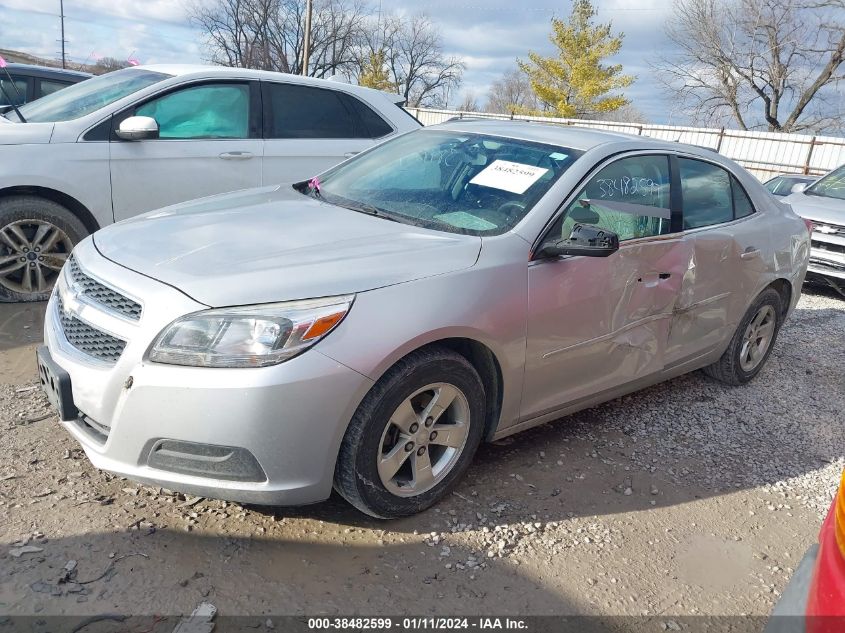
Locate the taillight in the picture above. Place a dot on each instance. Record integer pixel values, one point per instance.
(839, 517)
(810, 226)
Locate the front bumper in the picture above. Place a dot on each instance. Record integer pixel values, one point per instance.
(154, 423)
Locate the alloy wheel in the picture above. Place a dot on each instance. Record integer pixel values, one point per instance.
(32, 252)
(423, 440)
(757, 338)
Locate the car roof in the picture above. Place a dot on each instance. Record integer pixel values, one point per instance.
(579, 138)
(46, 72)
(205, 70)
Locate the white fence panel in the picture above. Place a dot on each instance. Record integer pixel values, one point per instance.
(764, 154)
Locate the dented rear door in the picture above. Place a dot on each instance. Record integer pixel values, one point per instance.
(727, 246)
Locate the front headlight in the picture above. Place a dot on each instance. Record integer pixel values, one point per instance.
(248, 336)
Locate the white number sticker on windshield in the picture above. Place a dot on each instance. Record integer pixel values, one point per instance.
(513, 177)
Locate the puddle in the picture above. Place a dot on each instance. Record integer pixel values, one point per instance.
(21, 330)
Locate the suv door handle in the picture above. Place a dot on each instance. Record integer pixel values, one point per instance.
(350, 154)
(236, 155)
(750, 253)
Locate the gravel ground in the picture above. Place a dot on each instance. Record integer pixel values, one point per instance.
(687, 498)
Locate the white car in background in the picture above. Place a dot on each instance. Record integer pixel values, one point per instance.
(146, 137)
(823, 203)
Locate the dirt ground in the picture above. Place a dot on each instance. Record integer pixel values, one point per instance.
(687, 498)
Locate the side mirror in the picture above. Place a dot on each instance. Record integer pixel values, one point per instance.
(585, 240)
(798, 187)
(138, 128)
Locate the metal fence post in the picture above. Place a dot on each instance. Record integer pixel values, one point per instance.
(809, 156)
(719, 142)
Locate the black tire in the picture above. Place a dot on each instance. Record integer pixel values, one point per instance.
(19, 209)
(356, 475)
(728, 369)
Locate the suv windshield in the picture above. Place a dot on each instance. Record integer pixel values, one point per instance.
(831, 186)
(451, 181)
(88, 96)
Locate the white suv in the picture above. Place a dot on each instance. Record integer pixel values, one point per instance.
(142, 138)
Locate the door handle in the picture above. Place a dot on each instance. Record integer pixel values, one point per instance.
(350, 154)
(236, 155)
(750, 253)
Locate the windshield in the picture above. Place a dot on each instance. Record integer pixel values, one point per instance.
(831, 186)
(88, 96)
(452, 181)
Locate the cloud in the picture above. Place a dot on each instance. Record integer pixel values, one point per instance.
(488, 34)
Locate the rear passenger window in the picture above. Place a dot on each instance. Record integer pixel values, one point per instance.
(630, 197)
(306, 112)
(710, 195)
(372, 125)
(48, 87)
(742, 204)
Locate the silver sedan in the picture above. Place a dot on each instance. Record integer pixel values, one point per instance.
(368, 328)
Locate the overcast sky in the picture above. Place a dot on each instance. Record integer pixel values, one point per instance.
(489, 35)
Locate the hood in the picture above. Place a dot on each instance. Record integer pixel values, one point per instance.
(275, 244)
(25, 133)
(819, 208)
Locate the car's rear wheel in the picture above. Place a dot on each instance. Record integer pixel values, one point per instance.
(752, 342)
(36, 238)
(413, 436)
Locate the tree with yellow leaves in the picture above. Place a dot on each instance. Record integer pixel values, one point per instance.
(576, 83)
(374, 74)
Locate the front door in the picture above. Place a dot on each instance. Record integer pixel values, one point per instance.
(208, 144)
(595, 323)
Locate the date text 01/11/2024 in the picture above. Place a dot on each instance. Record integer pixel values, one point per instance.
(416, 623)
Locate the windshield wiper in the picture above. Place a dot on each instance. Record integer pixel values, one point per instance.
(368, 209)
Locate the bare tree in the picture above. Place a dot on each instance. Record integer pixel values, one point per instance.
(773, 64)
(268, 34)
(469, 103)
(512, 91)
(108, 64)
(423, 74)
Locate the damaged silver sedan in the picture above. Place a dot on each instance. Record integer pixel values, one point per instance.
(366, 330)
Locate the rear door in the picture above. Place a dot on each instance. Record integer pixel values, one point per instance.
(309, 129)
(596, 323)
(728, 240)
(209, 142)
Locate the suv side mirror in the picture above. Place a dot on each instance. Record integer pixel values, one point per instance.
(585, 240)
(138, 128)
(798, 187)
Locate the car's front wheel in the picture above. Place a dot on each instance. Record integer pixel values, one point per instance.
(752, 342)
(36, 238)
(413, 436)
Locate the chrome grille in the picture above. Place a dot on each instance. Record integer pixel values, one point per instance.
(105, 296)
(88, 339)
(824, 228)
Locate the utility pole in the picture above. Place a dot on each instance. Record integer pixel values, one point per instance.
(62, 16)
(306, 49)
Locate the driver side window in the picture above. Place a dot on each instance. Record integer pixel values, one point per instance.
(629, 197)
(209, 111)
